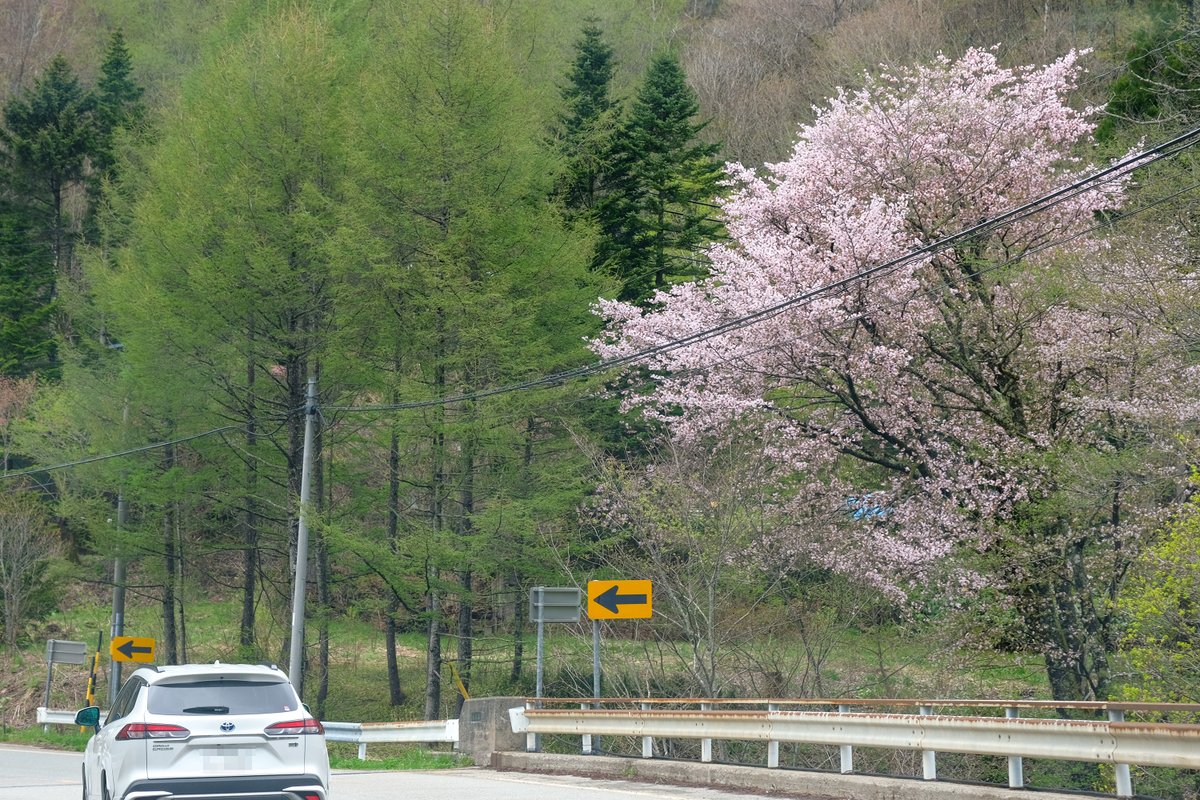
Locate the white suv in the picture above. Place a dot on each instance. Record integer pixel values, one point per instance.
(205, 731)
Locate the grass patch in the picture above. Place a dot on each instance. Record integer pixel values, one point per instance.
(57, 737)
(393, 757)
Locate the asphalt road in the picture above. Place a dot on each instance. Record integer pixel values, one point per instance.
(27, 773)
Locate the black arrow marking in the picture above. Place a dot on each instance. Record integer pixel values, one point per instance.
(127, 649)
(611, 600)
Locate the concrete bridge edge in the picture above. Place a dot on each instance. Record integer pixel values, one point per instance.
(758, 780)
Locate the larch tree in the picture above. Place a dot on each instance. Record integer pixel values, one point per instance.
(658, 181)
(464, 278)
(991, 419)
(220, 293)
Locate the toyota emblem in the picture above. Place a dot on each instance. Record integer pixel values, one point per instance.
(227, 726)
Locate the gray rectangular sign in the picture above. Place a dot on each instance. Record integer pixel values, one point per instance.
(554, 604)
(59, 651)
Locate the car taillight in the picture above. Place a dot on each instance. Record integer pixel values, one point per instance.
(138, 730)
(295, 727)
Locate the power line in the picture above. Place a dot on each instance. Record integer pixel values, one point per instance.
(131, 451)
(946, 286)
(1124, 167)
(1127, 165)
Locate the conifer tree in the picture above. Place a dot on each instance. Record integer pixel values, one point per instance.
(586, 126)
(26, 280)
(462, 278)
(48, 135)
(118, 102)
(653, 217)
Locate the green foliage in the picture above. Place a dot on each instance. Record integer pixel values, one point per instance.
(118, 102)
(26, 297)
(460, 277)
(587, 123)
(1161, 79)
(653, 216)
(49, 133)
(1162, 606)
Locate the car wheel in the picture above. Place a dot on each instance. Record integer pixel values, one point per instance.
(104, 790)
(83, 780)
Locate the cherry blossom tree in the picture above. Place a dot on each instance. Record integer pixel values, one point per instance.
(993, 419)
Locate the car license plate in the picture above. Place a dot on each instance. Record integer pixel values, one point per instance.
(227, 759)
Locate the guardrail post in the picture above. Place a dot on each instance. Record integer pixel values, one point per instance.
(772, 745)
(1124, 782)
(586, 746)
(531, 739)
(928, 757)
(647, 741)
(847, 751)
(362, 751)
(706, 744)
(1016, 767)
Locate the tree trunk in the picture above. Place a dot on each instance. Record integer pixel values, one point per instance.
(433, 651)
(1072, 634)
(395, 693)
(433, 606)
(246, 636)
(518, 632)
(466, 630)
(170, 637)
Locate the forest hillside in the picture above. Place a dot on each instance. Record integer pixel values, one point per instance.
(865, 329)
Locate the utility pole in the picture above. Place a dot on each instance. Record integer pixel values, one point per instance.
(118, 602)
(296, 657)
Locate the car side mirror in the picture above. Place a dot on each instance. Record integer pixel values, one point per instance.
(88, 717)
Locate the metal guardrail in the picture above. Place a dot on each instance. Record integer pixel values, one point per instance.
(53, 716)
(1113, 741)
(360, 733)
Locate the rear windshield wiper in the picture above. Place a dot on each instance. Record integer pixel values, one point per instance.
(206, 710)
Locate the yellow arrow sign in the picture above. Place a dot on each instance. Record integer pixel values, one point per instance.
(620, 600)
(131, 648)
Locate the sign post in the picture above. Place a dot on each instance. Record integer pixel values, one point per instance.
(623, 599)
(59, 651)
(550, 604)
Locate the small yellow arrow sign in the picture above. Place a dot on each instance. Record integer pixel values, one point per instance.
(131, 648)
(620, 600)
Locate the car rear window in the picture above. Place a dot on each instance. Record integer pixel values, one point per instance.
(219, 697)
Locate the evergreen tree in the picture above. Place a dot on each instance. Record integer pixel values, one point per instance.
(49, 132)
(26, 281)
(653, 216)
(118, 102)
(585, 127)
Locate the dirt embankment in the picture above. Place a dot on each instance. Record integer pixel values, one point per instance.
(23, 684)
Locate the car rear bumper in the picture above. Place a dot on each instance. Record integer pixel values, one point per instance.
(257, 787)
